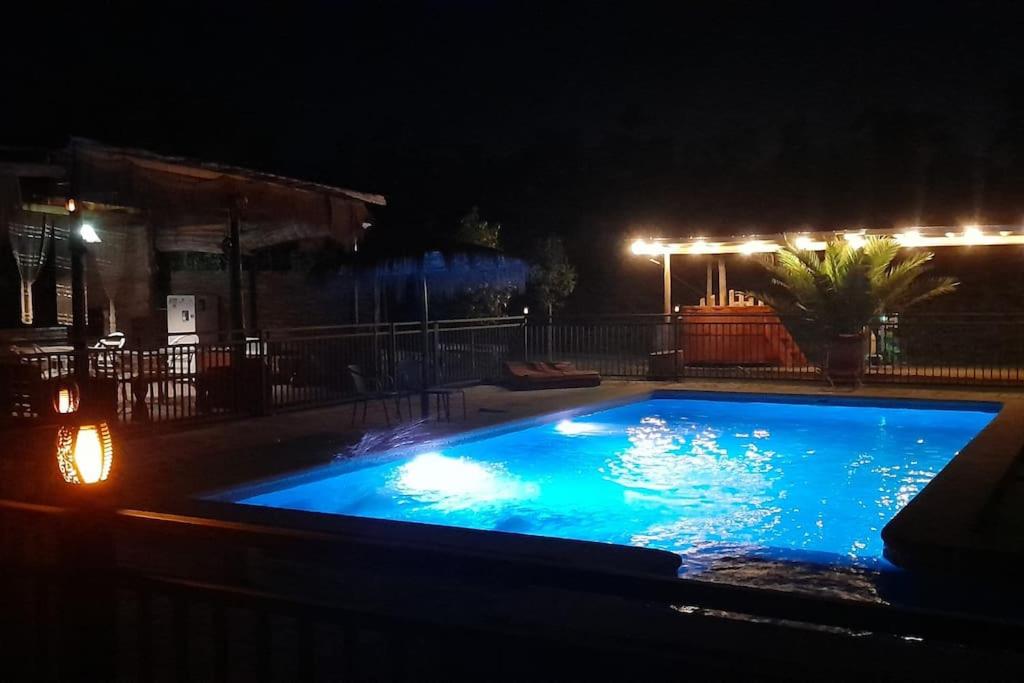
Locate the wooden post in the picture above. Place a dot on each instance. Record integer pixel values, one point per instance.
(667, 286)
(235, 269)
(79, 310)
(709, 296)
(722, 291)
(253, 319)
(78, 307)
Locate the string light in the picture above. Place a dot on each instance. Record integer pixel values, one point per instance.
(856, 240)
(910, 237)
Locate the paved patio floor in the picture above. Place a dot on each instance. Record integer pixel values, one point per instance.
(166, 466)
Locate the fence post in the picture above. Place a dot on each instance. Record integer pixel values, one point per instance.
(675, 346)
(393, 353)
(436, 348)
(549, 332)
(526, 339)
(266, 399)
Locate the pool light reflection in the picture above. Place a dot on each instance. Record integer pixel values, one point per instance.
(570, 428)
(457, 483)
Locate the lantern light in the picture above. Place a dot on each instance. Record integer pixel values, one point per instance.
(638, 247)
(526, 310)
(66, 397)
(85, 453)
(71, 205)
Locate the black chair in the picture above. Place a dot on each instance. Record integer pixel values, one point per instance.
(408, 380)
(368, 388)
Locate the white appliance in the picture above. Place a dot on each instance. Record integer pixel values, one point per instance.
(192, 319)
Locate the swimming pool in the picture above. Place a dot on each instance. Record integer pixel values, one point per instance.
(778, 478)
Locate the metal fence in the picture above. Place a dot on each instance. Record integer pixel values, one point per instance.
(191, 598)
(978, 349)
(313, 366)
(276, 370)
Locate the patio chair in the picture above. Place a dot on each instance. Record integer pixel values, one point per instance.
(408, 379)
(368, 388)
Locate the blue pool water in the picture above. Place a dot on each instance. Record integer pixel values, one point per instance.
(702, 478)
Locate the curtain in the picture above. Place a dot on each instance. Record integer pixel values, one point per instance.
(30, 235)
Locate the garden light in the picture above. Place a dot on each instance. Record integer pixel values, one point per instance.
(85, 452)
(66, 397)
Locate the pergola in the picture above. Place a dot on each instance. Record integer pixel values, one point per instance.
(104, 195)
(931, 237)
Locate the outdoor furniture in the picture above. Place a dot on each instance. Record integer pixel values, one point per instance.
(368, 388)
(524, 376)
(408, 377)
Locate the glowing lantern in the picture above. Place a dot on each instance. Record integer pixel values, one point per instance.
(85, 453)
(66, 398)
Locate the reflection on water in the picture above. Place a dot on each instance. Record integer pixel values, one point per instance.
(458, 483)
(755, 493)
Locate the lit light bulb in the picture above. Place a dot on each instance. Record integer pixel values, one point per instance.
(66, 398)
(699, 247)
(804, 243)
(856, 241)
(88, 234)
(64, 401)
(973, 234)
(750, 247)
(638, 247)
(909, 238)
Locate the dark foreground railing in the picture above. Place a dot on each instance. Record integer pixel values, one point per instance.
(92, 595)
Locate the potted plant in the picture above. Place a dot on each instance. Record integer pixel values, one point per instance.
(829, 301)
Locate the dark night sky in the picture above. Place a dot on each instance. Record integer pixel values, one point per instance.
(585, 121)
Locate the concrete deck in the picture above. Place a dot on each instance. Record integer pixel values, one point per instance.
(162, 467)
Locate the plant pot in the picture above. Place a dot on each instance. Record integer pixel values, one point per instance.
(846, 358)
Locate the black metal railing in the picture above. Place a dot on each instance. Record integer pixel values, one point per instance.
(273, 370)
(282, 369)
(974, 349)
(73, 608)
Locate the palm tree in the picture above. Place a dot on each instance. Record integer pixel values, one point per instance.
(828, 301)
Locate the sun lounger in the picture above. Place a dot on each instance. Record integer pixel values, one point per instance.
(521, 376)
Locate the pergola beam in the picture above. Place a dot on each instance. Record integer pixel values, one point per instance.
(930, 237)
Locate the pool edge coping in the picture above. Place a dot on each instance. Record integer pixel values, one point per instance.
(913, 539)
